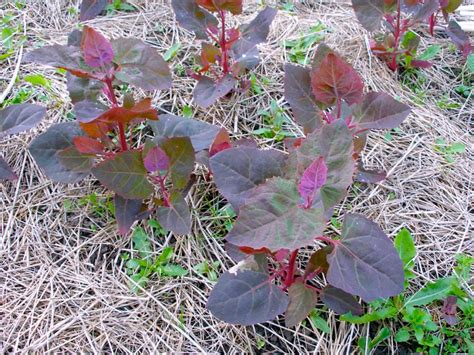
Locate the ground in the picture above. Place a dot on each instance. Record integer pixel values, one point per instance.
(63, 282)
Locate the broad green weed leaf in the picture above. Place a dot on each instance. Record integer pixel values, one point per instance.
(434, 291)
(406, 247)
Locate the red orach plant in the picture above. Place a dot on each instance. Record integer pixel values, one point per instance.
(227, 52)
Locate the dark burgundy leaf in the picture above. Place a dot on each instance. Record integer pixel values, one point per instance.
(96, 49)
(365, 262)
(334, 79)
(207, 92)
(193, 18)
(176, 217)
(335, 143)
(299, 94)
(45, 149)
(128, 211)
(302, 301)
(318, 260)
(459, 37)
(449, 310)
(87, 111)
(74, 160)
(156, 159)
(141, 65)
(91, 9)
(246, 298)
(83, 89)
(202, 134)
(314, 177)
(379, 111)
(181, 159)
(340, 301)
(272, 218)
(237, 171)
(369, 176)
(234, 6)
(6, 172)
(125, 174)
(369, 13)
(18, 118)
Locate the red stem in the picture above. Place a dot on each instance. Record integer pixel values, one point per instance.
(393, 64)
(290, 274)
(111, 96)
(161, 181)
(339, 107)
(432, 23)
(223, 45)
(327, 240)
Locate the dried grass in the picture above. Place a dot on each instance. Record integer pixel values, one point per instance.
(63, 286)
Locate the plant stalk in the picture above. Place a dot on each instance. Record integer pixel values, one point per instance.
(113, 100)
(223, 45)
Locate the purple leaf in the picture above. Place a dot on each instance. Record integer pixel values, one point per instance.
(193, 18)
(335, 143)
(459, 37)
(125, 174)
(299, 94)
(422, 11)
(18, 118)
(141, 65)
(96, 49)
(237, 171)
(246, 298)
(207, 92)
(202, 134)
(83, 89)
(302, 301)
(181, 159)
(91, 8)
(176, 217)
(128, 211)
(369, 13)
(314, 177)
(156, 159)
(449, 310)
(365, 262)
(379, 111)
(87, 111)
(369, 176)
(318, 260)
(271, 218)
(45, 149)
(6, 172)
(340, 301)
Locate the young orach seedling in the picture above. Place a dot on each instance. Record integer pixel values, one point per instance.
(149, 178)
(227, 52)
(398, 45)
(16, 119)
(284, 202)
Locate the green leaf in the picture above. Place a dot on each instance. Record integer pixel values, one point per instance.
(405, 247)
(470, 63)
(430, 52)
(38, 80)
(456, 147)
(379, 314)
(141, 242)
(125, 174)
(402, 335)
(172, 52)
(435, 291)
(319, 322)
(172, 270)
(181, 156)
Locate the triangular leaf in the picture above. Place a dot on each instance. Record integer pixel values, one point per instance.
(369, 13)
(193, 18)
(246, 298)
(18, 118)
(302, 301)
(339, 301)
(318, 261)
(74, 160)
(369, 176)
(272, 218)
(128, 211)
(91, 8)
(96, 49)
(207, 92)
(176, 217)
(181, 159)
(364, 262)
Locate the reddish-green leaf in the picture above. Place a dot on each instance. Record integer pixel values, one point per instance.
(234, 6)
(193, 18)
(87, 111)
(74, 160)
(88, 145)
(314, 177)
(141, 110)
(140, 65)
(272, 218)
(333, 142)
(237, 171)
(96, 49)
(302, 301)
(334, 79)
(181, 159)
(299, 94)
(156, 159)
(128, 211)
(125, 174)
(246, 298)
(45, 149)
(369, 13)
(18, 118)
(202, 134)
(365, 262)
(207, 92)
(318, 260)
(92, 8)
(176, 217)
(339, 301)
(6, 172)
(220, 143)
(379, 111)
